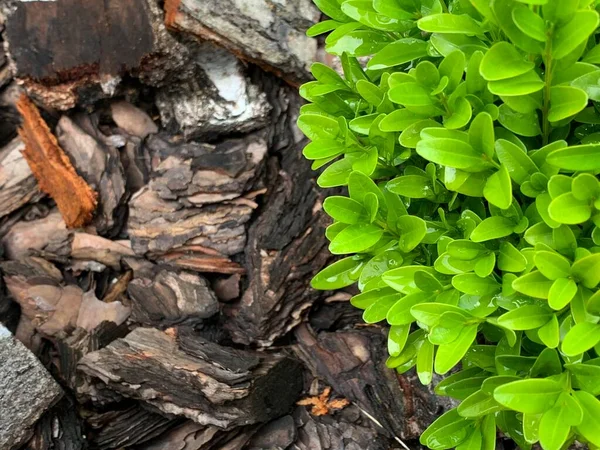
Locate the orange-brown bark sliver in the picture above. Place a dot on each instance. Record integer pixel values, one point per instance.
(52, 168)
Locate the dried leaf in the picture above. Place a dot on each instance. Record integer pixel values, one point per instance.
(321, 405)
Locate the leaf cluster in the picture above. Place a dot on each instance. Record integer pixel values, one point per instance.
(467, 134)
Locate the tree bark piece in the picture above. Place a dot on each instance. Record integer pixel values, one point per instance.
(59, 428)
(286, 242)
(99, 164)
(17, 184)
(77, 57)
(164, 297)
(132, 425)
(195, 196)
(172, 374)
(268, 33)
(219, 99)
(54, 172)
(26, 391)
(353, 363)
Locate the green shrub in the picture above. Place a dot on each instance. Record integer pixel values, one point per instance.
(469, 141)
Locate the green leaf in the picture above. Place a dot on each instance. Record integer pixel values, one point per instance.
(340, 274)
(323, 148)
(534, 284)
(586, 376)
(448, 328)
(469, 283)
(461, 114)
(451, 153)
(581, 338)
(533, 396)
(503, 61)
(411, 136)
(403, 278)
(481, 134)
(561, 293)
(510, 259)
(367, 298)
(473, 442)
(569, 36)
(503, 12)
(397, 337)
(527, 317)
(498, 189)
(398, 52)
(412, 231)
(549, 334)
(552, 265)
(554, 428)
(478, 404)
(576, 157)
(588, 82)
(322, 27)
(378, 265)
(399, 120)
(493, 228)
(529, 23)
(525, 84)
(371, 203)
(519, 165)
(523, 124)
(355, 238)
(589, 427)
(448, 431)
(357, 42)
(425, 362)
(317, 126)
(411, 186)
(336, 174)
(332, 9)
(448, 355)
(344, 209)
(566, 208)
(400, 313)
(359, 185)
(379, 309)
(410, 94)
(450, 23)
(566, 101)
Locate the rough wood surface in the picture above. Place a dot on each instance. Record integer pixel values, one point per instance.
(219, 98)
(279, 44)
(77, 57)
(60, 428)
(231, 388)
(99, 164)
(353, 363)
(26, 391)
(17, 184)
(53, 170)
(163, 297)
(286, 244)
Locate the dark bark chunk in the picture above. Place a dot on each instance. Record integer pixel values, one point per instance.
(150, 365)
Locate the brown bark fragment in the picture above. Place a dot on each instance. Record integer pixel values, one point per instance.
(52, 169)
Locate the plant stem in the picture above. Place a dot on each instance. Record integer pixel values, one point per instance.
(548, 84)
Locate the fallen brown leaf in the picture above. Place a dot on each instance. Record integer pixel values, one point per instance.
(321, 405)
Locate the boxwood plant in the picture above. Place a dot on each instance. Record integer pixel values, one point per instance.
(467, 134)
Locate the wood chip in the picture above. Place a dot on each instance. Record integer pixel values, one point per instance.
(56, 176)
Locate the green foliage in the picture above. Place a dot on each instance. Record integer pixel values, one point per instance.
(469, 143)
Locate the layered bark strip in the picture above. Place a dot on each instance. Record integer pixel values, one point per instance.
(276, 44)
(53, 170)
